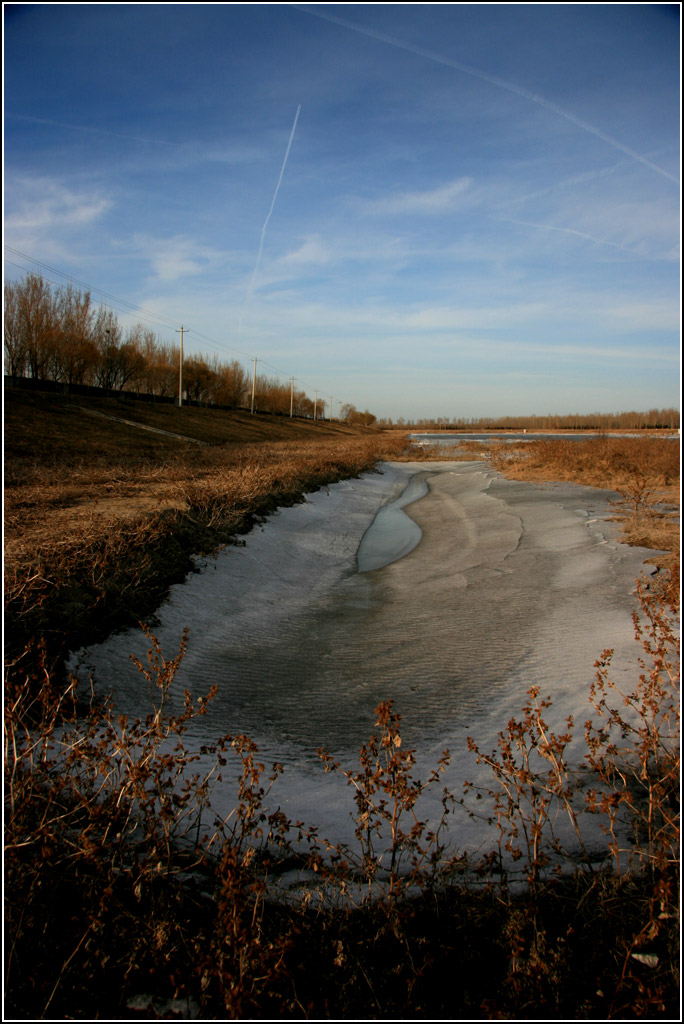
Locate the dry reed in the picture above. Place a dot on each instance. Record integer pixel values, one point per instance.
(126, 894)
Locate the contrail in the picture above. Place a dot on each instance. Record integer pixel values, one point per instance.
(91, 129)
(268, 215)
(501, 83)
(580, 234)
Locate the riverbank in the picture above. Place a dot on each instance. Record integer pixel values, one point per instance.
(102, 517)
(113, 909)
(642, 471)
(100, 521)
(115, 905)
(508, 584)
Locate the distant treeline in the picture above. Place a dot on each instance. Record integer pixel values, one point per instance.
(598, 421)
(60, 335)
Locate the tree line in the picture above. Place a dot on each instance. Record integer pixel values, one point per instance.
(596, 421)
(60, 334)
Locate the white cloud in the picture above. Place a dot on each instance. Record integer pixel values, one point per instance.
(436, 200)
(640, 316)
(584, 235)
(39, 204)
(174, 258)
(311, 251)
(436, 318)
(50, 220)
(375, 322)
(609, 213)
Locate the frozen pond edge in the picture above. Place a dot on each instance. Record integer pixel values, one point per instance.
(510, 584)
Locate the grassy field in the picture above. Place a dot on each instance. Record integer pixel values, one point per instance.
(113, 907)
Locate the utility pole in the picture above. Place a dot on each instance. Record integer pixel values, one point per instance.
(331, 412)
(180, 366)
(315, 404)
(291, 395)
(254, 385)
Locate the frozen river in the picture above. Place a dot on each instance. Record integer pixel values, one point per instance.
(442, 586)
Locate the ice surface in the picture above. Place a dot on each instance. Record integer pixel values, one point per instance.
(510, 584)
(392, 534)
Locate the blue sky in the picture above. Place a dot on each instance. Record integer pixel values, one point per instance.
(421, 209)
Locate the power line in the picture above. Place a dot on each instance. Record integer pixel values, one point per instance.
(145, 314)
(156, 318)
(91, 288)
(118, 309)
(227, 348)
(281, 373)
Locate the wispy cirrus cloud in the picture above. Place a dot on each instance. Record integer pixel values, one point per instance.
(573, 182)
(385, 319)
(584, 235)
(430, 201)
(46, 216)
(625, 317)
(90, 129)
(311, 252)
(38, 203)
(611, 316)
(652, 241)
(174, 258)
(637, 220)
(495, 80)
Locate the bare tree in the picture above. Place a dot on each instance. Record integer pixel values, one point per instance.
(31, 333)
(231, 384)
(76, 353)
(16, 352)
(198, 378)
(350, 414)
(302, 404)
(164, 369)
(119, 362)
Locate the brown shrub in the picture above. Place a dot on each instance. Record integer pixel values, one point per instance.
(125, 894)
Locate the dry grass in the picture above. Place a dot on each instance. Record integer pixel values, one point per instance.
(60, 458)
(114, 904)
(607, 462)
(101, 518)
(43, 503)
(118, 904)
(61, 462)
(643, 471)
